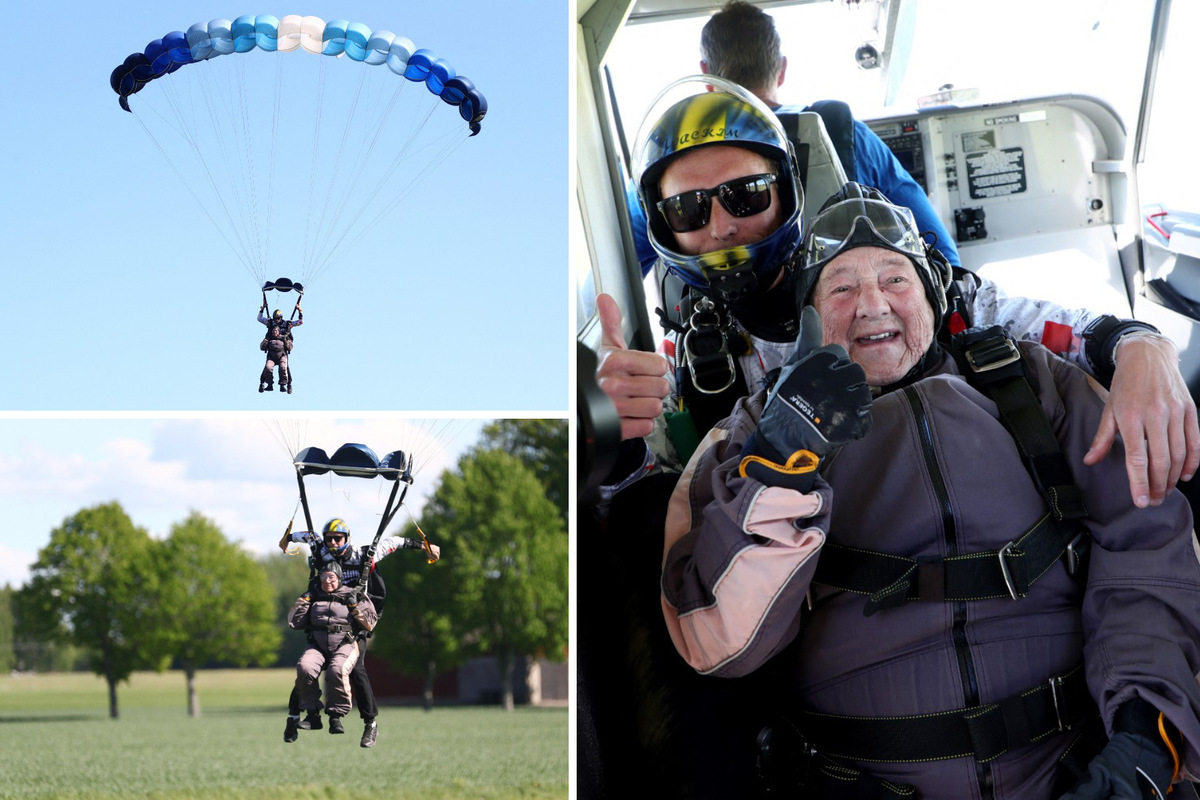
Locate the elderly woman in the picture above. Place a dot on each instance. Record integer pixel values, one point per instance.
(961, 608)
(332, 615)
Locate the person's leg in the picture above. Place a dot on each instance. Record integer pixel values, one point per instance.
(337, 684)
(364, 698)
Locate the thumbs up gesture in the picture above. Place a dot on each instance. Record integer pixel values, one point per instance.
(820, 402)
(633, 379)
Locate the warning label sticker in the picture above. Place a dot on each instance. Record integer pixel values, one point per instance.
(995, 173)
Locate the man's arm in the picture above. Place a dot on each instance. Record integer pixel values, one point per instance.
(1149, 403)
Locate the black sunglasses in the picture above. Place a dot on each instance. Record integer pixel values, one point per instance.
(742, 197)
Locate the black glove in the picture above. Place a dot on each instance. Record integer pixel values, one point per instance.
(1134, 765)
(820, 402)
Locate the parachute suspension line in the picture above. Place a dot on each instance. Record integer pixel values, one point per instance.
(271, 155)
(453, 143)
(433, 438)
(312, 173)
(183, 182)
(369, 125)
(209, 91)
(247, 151)
(327, 258)
(336, 166)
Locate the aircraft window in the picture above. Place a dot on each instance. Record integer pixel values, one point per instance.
(1011, 50)
(1167, 175)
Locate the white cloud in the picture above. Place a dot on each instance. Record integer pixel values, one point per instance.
(237, 473)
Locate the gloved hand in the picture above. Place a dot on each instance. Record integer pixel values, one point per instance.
(1130, 767)
(820, 402)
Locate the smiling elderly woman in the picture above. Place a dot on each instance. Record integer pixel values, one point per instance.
(960, 608)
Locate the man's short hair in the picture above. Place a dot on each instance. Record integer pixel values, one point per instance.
(740, 43)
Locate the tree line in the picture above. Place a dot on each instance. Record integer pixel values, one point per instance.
(105, 594)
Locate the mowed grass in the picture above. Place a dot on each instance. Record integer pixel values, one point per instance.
(57, 740)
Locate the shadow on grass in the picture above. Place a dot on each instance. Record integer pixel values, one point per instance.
(4, 720)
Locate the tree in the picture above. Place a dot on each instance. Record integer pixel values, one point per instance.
(216, 602)
(421, 639)
(288, 576)
(542, 445)
(8, 658)
(95, 585)
(506, 545)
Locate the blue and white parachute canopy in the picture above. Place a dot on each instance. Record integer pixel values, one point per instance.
(221, 37)
(354, 461)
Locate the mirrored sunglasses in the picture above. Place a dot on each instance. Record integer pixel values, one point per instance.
(741, 197)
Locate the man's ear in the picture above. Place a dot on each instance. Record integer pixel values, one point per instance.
(704, 71)
(782, 70)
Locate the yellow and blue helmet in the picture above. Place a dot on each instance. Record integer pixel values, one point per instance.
(335, 527)
(727, 115)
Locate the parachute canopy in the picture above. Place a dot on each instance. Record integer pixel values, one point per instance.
(283, 285)
(221, 37)
(354, 461)
(295, 159)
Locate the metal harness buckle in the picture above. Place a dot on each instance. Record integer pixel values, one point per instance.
(1072, 555)
(992, 354)
(1058, 695)
(1008, 580)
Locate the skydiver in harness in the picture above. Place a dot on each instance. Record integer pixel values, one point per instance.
(332, 546)
(277, 344)
(333, 614)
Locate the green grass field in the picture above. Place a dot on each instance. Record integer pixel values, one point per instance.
(56, 740)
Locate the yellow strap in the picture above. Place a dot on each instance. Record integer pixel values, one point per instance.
(800, 462)
(1162, 731)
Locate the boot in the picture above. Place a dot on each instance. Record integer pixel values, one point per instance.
(335, 725)
(289, 388)
(291, 731)
(261, 387)
(270, 387)
(311, 721)
(370, 733)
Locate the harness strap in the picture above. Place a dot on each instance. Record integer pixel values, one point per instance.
(991, 362)
(984, 732)
(335, 627)
(891, 580)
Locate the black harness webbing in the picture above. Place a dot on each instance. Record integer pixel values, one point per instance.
(891, 580)
(984, 732)
(992, 363)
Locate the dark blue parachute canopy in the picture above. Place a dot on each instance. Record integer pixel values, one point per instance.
(354, 461)
(356, 41)
(283, 285)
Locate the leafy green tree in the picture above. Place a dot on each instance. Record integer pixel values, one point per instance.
(505, 543)
(416, 633)
(8, 656)
(542, 445)
(95, 585)
(288, 576)
(216, 602)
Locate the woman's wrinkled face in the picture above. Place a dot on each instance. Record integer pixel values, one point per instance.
(872, 303)
(329, 581)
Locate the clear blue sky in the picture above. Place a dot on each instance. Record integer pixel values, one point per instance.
(119, 294)
(236, 471)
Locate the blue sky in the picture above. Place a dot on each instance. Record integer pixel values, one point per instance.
(119, 294)
(236, 471)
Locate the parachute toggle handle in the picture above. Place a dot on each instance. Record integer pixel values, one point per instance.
(287, 535)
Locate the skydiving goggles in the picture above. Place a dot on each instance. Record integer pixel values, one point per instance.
(335, 538)
(742, 197)
(855, 223)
